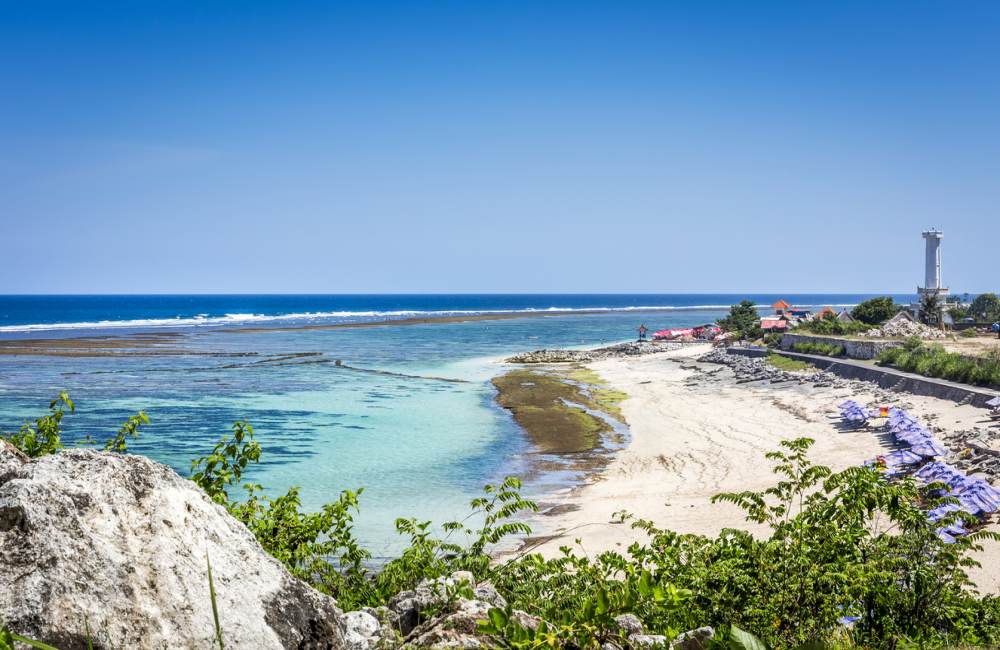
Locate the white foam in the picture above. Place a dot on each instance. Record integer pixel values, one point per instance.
(203, 320)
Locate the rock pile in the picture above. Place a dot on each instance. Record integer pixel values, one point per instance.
(903, 328)
(630, 349)
(978, 454)
(748, 369)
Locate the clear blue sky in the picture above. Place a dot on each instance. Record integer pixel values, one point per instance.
(508, 146)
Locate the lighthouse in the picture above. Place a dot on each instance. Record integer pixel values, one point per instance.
(932, 264)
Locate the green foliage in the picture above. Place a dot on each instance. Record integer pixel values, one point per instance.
(45, 435)
(742, 640)
(429, 557)
(875, 311)
(968, 333)
(743, 321)
(773, 339)
(127, 430)
(8, 641)
(215, 606)
(930, 309)
(217, 472)
(816, 347)
(934, 361)
(830, 325)
(986, 308)
(785, 363)
(957, 312)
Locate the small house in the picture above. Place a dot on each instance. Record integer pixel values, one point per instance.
(773, 324)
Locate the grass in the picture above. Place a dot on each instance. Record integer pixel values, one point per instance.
(784, 363)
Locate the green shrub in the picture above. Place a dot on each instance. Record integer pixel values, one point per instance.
(935, 361)
(830, 326)
(969, 333)
(773, 339)
(815, 347)
(876, 310)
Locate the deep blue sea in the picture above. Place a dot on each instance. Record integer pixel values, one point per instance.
(419, 446)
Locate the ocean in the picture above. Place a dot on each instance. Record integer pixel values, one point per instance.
(408, 414)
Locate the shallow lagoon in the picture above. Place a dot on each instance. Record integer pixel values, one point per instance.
(419, 446)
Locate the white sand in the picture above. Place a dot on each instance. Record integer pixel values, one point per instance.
(690, 442)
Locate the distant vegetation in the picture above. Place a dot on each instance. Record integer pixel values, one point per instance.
(825, 349)
(853, 544)
(876, 311)
(829, 325)
(743, 321)
(934, 361)
(985, 308)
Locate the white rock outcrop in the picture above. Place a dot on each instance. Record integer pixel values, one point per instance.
(118, 544)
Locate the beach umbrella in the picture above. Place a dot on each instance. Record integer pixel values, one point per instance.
(929, 447)
(901, 457)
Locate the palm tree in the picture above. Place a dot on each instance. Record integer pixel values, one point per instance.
(930, 308)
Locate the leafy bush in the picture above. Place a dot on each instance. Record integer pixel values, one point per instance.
(876, 310)
(816, 347)
(773, 339)
(935, 361)
(968, 333)
(830, 325)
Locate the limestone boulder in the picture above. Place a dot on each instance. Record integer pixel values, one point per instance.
(118, 544)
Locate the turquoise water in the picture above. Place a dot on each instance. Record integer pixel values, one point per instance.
(418, 445)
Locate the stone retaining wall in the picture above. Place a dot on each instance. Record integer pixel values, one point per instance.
(853, 349)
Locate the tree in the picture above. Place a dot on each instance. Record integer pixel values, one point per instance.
(930, 308)
(986, 308)
(876, 310)
(743, 321)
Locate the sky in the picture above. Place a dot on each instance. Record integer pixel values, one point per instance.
(497, 146)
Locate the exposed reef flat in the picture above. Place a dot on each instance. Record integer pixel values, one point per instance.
(629, 349)
(560, 413)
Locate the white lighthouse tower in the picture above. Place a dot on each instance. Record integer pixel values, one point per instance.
(932, 279)
(932, 264)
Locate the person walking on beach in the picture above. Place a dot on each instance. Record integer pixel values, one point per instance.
(642, 332)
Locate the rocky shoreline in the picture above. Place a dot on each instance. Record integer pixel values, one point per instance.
(629, 349)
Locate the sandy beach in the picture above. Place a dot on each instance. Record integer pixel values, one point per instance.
(696, 432)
